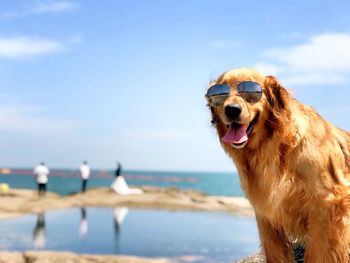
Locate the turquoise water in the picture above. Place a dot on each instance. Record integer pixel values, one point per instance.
(68, 181)
(207, 236)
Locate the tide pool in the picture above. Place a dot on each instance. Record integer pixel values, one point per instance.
(207, 236)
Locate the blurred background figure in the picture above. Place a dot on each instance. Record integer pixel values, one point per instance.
(83, 227)
(39, 238)
(120, 186)
(41, 171)
(85, 174)
(118, 169)
(119, 215)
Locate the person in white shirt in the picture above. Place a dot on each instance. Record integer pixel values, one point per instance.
(85, 174)
(41, 171)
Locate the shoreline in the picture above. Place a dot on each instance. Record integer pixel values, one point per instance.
(19, 202)
(63, 256)
(53, 256)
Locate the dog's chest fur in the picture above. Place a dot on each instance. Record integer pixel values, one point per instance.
(272, 190)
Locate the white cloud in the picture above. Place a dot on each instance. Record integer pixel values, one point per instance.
(23, 47)
(323, 59)
(16, 117)
(53, 6)
(41, 7)
(157, 134)
(268, 69)
(314, 78)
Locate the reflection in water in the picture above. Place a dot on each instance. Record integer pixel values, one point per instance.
(119, 215)
(83, 227)
(39, 232)
(226, 237)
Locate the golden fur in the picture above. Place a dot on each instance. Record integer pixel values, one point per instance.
(294, 169)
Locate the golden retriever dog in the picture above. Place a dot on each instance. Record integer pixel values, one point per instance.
(293, 166)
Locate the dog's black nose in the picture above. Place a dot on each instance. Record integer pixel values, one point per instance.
(233, 111)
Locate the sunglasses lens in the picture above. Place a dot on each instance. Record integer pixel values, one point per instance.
(217, 100)
(250, 91)
(217, 94)
(218, 89)
(251, 97)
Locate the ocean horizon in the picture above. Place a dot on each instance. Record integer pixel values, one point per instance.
(67, 181)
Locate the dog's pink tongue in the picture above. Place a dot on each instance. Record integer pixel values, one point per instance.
(236, 135)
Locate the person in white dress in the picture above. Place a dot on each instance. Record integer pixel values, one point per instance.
(41, 171)
(85, 175)
(120, 186)
(119, 215)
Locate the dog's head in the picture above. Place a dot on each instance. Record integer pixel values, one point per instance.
(247, 107)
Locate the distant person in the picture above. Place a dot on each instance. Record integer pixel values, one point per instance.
(83, 227)
(120, 186)
(39, 232)
(41, 171)
(85, 175)
(118, 169)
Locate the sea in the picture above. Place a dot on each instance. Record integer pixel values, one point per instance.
(67, 181)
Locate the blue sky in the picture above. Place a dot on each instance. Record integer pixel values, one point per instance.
(125, 80)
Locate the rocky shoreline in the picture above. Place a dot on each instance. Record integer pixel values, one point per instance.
(60, 257)
(21, 201)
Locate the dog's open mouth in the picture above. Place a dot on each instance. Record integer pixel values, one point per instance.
(237, 134)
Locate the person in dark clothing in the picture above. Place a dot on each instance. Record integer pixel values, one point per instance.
(118, 170)
(39, 232)
(83, 228)
(120, 186)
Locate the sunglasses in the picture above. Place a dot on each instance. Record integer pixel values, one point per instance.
(250, 91)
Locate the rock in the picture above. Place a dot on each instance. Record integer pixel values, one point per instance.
(298, 252)
(59, 257)
(19, 201)
(11, 257)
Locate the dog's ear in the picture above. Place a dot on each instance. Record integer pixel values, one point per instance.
(278, 110)
(276, 94)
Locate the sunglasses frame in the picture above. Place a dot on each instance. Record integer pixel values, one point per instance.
(216, 99)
